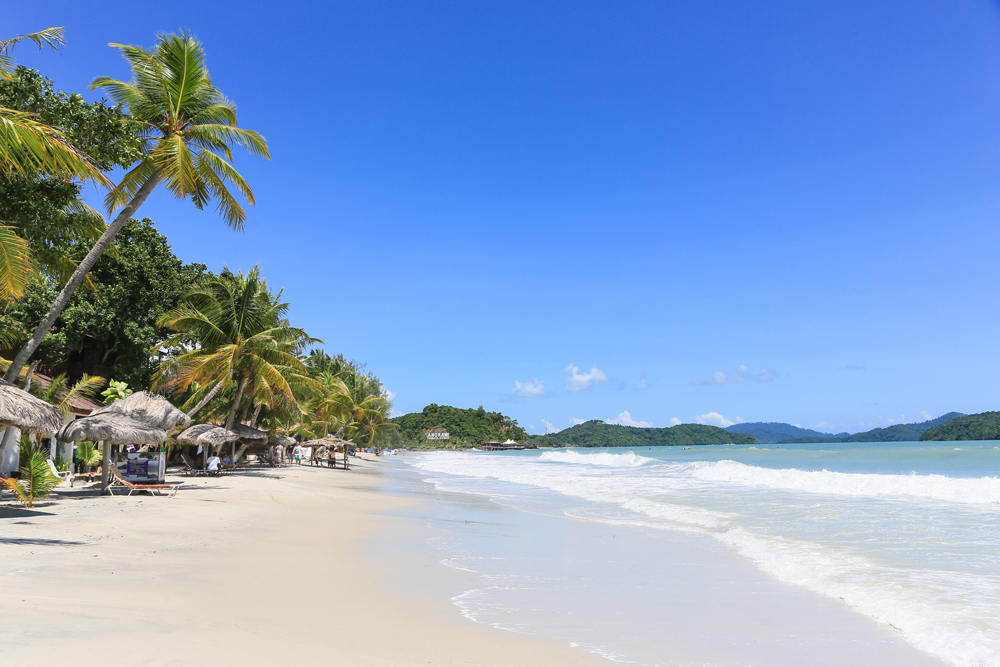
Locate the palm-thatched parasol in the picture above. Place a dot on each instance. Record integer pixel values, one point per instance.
(206, 434)
(111, 427)
(283, 440)
(114, 428)
(249, 435)
(150, 408)
(21, 410)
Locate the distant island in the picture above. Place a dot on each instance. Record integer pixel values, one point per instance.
(458, 428)
(982, 426)
(897, 433)
(596, 433)
(771, 432)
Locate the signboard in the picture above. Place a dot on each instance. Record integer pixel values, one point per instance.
(144, 467)
(437, 435)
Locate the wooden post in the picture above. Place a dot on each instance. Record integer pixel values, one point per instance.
(105, 466)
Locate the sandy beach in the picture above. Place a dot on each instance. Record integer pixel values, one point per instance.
(324, 567)
(254, 569)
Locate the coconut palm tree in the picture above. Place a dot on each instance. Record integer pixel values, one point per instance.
(237, 339)
(31, 148)
(188, 130)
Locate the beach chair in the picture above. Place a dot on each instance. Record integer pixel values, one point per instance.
(118, 480)
(189, 468)
(64, 475)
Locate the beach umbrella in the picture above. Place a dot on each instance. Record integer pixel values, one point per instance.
(206, 434)
(283, 440)
(249, 435)
(108, 428)
(20, 409)
(153, 409)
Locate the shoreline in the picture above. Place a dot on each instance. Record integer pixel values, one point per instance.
(249, 569)
(331, 567)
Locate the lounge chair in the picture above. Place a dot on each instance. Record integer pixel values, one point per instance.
(64, 475)
(118, 480)
(189, 468)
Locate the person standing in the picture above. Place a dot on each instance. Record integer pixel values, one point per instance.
(298, 453)
(279, 455)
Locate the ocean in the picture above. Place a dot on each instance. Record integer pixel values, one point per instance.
(906, 534)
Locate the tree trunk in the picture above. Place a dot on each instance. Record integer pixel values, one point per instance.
(81, 272)
(106, 466)
(203, 402)
(256, 415)
(236, 402)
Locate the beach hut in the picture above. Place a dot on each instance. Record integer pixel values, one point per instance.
(207, 435)
(111, 428)
(150, 408)
(19, 410)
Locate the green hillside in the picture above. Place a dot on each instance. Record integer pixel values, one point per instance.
(897, 433)
(983, 426)
(596, 433)
(467, 427)
(767, 432)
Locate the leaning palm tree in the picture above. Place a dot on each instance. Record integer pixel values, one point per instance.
(242, 343)
(188, 131)
(31, 148)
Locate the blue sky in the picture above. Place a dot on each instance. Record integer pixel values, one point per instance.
(645, 211)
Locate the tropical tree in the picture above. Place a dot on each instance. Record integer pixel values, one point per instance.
(188, 129)
(61, 393)
(233, 335)
(31, 148)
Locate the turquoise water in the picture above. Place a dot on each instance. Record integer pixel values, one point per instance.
(907, 534)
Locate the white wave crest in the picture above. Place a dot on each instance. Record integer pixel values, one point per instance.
(626, 460)
(975, 490)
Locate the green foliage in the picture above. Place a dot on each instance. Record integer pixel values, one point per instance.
(768, 432)
(46, 210)
(116, 391)
(595, 433)
(88, 454)
(37, 481)
(466, 427)
(982, 426)
(897, 433)
(133, 288)
(61, 464)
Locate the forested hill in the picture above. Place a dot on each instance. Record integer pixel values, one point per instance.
(767, 432)
(466, 427)
(897, 433)
(983, 426)
(596, 433)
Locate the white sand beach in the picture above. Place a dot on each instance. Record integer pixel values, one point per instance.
(313, 566)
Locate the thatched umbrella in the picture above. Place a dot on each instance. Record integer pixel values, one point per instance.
(206, 434)
(150, 408)
(19, 409)
(283, 440)
(330, 442)
(111, 428)
(249, 435)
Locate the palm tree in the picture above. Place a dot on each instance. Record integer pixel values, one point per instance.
(188, 130)
(241, 342)
(61, 394)
(30, 148)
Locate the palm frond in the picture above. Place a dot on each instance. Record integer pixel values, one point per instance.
(16, 266)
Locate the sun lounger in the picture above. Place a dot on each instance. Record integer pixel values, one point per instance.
(64, 475)
(189, 468)
(118, 480)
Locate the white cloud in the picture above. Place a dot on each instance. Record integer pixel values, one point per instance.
(742, 374)
(714, 419)
(674, 421)
(577, 421)
(578, 381)
(740, 420)
(643, 383)
(926, 417)
(549, 427)
(625, 419)
(530, 389)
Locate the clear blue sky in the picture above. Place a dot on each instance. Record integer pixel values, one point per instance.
(473, 195)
